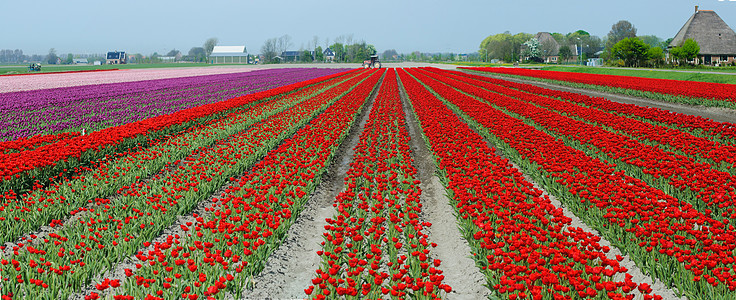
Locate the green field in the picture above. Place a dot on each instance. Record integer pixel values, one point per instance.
(22, 69)
(661, 74)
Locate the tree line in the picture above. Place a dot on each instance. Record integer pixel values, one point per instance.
(621, 47)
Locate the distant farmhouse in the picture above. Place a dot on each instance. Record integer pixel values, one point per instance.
(228, 54)
(115, 58)
(80, 61)
(329, 55)
(550, 48)
(716, 39)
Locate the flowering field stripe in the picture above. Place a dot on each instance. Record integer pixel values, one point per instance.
(720, 132)
(507, 222)
(95, 107)
(376, 245)
(679, 91)
(718, 155)
(19, 170)
(708, 189)
(21, 214)
(250, 219)
(58, 266)
(34, 142)
(668, 238)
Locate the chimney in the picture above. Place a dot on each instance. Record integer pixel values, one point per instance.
(696, 8)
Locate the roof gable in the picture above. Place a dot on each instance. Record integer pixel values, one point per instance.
(711, 33)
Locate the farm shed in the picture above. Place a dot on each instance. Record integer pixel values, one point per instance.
(228, 54)
(716, 39)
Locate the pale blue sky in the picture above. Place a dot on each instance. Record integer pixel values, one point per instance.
(145, 26)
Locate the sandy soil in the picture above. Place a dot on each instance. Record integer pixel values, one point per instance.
(460, 272)
(714, 113)
(291, 267)
(658, 287)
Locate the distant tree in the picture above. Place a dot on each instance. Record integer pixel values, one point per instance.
(196, 54)
(283, 43)
(560, 38)
(69, 59)
(565, 53)
(503, 46)
(12, 56)
(319, 54)
(138, 57)
(619, 31)
(51, 58)
(687, 52)
(306, 56)
(690, 49)
(532, 49)
(173, 52)
(651, 40)
(389, 54)
(339, 50)
(655, 55)
(209, 45)
(631, 50)
(666, 43)
(547, 48)
(594, 44)
(269, 50)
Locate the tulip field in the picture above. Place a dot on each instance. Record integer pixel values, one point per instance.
(679, 91)
(183, 187)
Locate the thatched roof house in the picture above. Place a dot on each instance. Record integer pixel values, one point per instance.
(716, 39)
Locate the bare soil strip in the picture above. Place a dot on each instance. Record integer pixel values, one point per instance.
(718, 114)
(452, 249)
(291, 267)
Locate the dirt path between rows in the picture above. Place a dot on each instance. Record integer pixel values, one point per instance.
(290, 269)
(718, 114)
(638, 276)
(452, 249)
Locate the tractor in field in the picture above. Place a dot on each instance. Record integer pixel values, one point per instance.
(34, 67)
(372, 63)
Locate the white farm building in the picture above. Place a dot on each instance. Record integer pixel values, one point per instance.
(228, 54)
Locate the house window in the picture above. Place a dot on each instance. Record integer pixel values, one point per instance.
(724, 58)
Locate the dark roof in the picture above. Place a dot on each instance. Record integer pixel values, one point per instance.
(328, 52)
(546, 37)
(115, 55)
(711, 33)
(291, 53)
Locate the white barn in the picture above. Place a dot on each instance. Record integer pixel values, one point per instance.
(228, 54)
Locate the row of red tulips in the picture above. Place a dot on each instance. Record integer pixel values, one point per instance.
(64, 262)
(376, 245)
(25, 144)
(708, 189)
(19, 170)
(667, 138)
(666, 237)
(222, 249)
(718, 131)
(21, 214)
(719, 94)
(523, 243)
